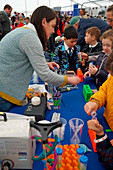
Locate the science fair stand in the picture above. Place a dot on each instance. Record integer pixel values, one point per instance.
(72, 106)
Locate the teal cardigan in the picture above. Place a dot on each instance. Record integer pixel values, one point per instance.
(21, 53)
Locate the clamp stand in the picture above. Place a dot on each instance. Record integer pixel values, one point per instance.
(45, 128)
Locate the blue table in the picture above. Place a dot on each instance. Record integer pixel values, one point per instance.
(72, 106)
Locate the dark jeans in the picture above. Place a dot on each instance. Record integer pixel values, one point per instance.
(5, 105)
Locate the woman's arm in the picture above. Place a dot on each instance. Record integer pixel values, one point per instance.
(31, 46)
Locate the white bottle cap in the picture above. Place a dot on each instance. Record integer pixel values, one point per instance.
(35, 101)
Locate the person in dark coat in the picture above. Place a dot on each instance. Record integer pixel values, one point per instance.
(83, 24)
(65, 53)
(91, 38)
(4, 21)
(92, 48)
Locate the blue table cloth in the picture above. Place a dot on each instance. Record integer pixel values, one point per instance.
(72, 106)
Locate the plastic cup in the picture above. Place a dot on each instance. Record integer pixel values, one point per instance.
(60, 131)
(76, 126)
(57, 102)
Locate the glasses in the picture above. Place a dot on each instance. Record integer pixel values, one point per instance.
(109, 20)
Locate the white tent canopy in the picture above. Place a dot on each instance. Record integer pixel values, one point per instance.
(28, 6)
(95, 3)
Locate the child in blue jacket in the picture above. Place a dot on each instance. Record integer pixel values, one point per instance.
(66, 54)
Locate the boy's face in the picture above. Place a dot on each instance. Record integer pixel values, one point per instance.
(88, 38)
(107, 45)
(70, 42)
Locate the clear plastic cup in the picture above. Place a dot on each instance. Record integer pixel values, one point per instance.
(60, 131)
(76, 126)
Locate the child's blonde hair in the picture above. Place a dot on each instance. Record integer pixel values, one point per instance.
(94, 31)
(108, 35)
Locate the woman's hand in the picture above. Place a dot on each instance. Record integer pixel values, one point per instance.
(92, 69)
(52, 65)
(90, 106)
(95, 126)
(74, 80)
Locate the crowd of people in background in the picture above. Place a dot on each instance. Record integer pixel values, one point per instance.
(9, 22)
(18, 19)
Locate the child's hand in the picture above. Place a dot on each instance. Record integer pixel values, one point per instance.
(92, 69)
(94, 125)
(94, 91)
(86, 74)
(90, 106)
(84, 55)
(111, 141)
(82, 62)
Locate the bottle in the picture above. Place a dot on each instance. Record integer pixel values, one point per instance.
(59, 157)
(80, 74)
(80, 152)
(35, 77)
(83, 162)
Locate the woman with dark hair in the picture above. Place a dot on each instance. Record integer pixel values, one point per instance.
(22, 52)
(83, 13)
(39, 18)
